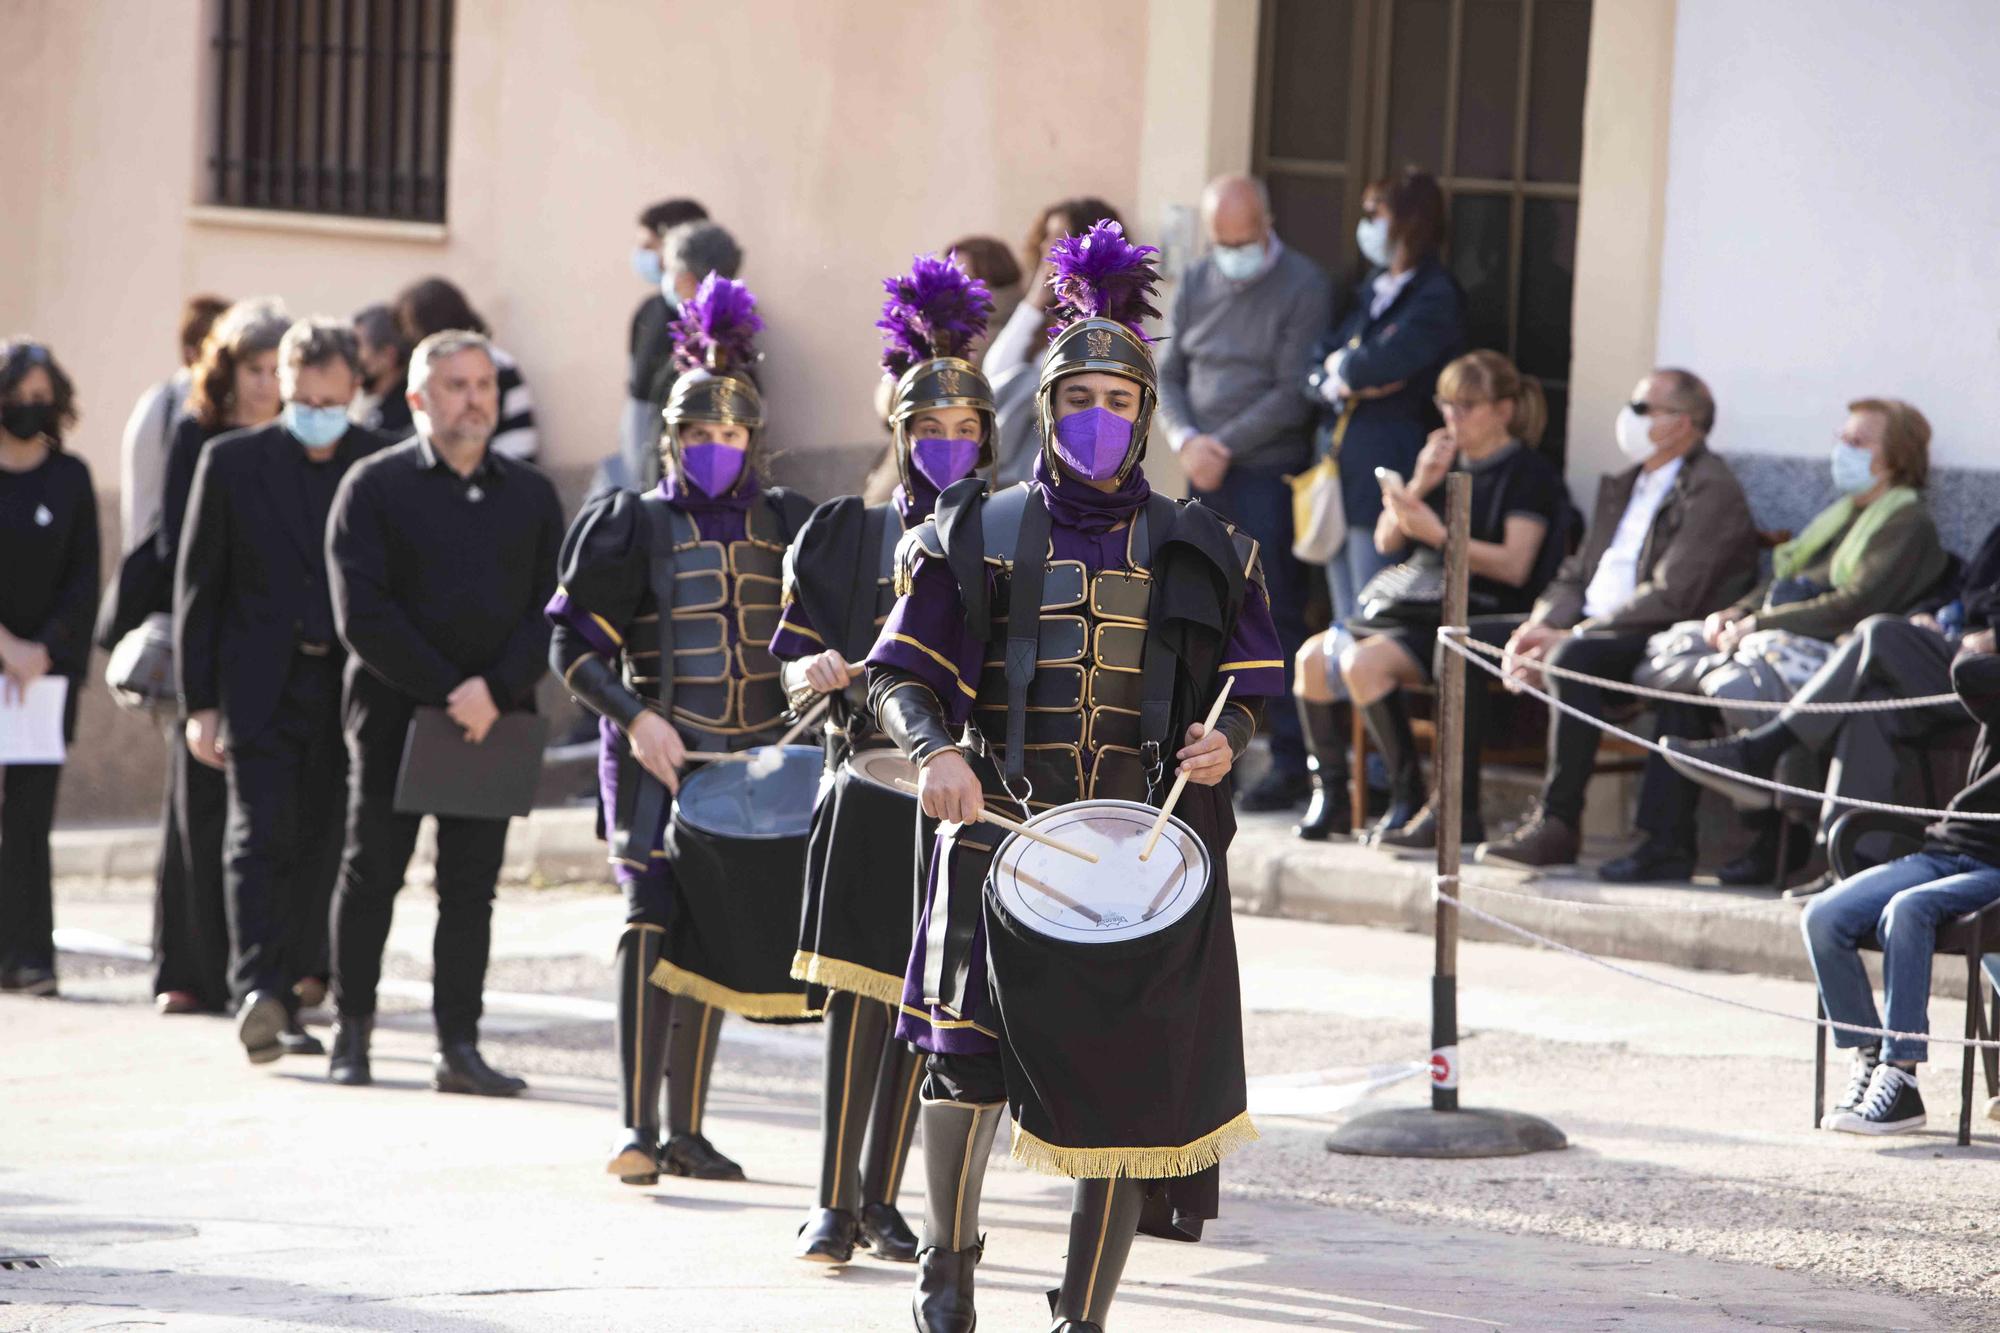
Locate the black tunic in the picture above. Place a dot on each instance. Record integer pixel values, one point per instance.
(48, 564)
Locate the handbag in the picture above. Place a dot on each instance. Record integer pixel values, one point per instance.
(140, 670)
(1319, 515)
(1409, 590)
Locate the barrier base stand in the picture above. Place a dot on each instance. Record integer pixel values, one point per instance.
(1419, 1131)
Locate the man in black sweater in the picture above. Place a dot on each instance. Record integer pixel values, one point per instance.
(442, 555)
(1903, 902)
(259, 672)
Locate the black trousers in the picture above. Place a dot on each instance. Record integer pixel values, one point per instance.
(377, 855)
(287, 790)
(27, 886)
(190, 919)
(1573, 743)
(977, 1079)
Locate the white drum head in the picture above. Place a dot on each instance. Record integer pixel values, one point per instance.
(1120, 897)
(884, 767)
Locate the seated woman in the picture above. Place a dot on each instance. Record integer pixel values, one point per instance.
(1873, 550)
(1902, 903)
(1494, 417)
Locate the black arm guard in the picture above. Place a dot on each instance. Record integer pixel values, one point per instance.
(909, 714)
(1239, 723)
(596, 685)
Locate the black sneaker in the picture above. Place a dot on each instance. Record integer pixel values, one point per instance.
(1277, 791)
(1892, 1105)
(1651, 862)
(1860, 1073)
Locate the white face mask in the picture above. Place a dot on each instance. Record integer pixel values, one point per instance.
(1635, 435)
(1372, 235)
(1239, 263)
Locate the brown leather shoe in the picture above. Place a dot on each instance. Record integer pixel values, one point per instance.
(1543, 841)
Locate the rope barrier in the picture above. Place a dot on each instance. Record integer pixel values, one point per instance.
(1438, 889)
(1765, 911)
(1459, 635)
(1451, 638)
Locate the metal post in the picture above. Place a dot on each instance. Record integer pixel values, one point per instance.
(1449, 757)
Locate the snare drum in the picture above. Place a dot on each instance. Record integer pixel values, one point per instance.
(737, 845)
(864, 872)
(1119, 899)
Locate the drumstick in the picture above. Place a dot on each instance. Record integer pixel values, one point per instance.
(1180, 781)
(1054, 894)
(811, 716)
(1031, 835)
(745, 756)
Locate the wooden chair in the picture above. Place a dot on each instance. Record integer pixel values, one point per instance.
(1864, 838)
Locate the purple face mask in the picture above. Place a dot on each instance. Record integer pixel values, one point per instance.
(1094, 442)
(714, 468)
(942, 461)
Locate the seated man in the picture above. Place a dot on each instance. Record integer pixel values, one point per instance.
(1903, 902)
(1671, 540)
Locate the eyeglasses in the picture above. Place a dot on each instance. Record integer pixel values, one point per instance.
(1459, 405)
(1641, 408)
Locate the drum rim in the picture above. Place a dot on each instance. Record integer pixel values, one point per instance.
(697, 776)
(1132, 943)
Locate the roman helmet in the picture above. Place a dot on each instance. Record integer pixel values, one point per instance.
(1104, 286)
(933, 316)
(715, 344)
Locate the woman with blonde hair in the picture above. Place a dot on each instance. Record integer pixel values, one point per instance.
(1494, 417)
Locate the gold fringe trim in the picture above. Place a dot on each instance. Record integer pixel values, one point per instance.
(853, 978)
(1137, 1163)
(676, 981)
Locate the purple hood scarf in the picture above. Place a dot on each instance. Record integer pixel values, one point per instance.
(1075, 503)
(916, 501)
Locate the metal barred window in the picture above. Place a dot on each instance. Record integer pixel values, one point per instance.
(1485, 94)
(332, 106)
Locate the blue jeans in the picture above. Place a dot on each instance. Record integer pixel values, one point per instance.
(1260, 503)
(1351, 568)
(1903, 902)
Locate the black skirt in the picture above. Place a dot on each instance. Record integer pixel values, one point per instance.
(864, 874)
(729, 942)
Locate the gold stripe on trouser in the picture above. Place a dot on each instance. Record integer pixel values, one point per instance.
(1103, 1230)
(695, 1107)
(964, 1172)
(898, 1158)
(846, 1093)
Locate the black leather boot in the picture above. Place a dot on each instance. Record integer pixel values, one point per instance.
(958, 1138)
(643, 1011)
(892, 1125)
(1388, 720)
(691, 1041)
(348, 1064)
(460, 1067)
(1330, 811)
(1103, 1219)
(855, 1031)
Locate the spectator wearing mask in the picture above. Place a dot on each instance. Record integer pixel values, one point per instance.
(436, 306)
(1375, 375)
(1013, 360)
(48, 548)
(441, 555)
(649, 347)
(149, 431)
(1671, 540)
(1887, 657)
(1902, 903)
(259, 672)
(235, 386)
(689, 252)
(381, 404)
(1243, 323)
(1873, 550)
(1494, 417)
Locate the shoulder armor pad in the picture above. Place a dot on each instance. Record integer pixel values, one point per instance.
(1000, 522)
(919, 544)
(1247, 552)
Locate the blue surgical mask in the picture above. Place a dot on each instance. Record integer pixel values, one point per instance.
(315, 427)
(1853, 469)
(1372, 235)
(646, 263)
(1239, 263)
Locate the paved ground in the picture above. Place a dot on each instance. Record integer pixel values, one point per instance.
(177, 1187)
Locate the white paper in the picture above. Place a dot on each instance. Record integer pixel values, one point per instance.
(31, 726)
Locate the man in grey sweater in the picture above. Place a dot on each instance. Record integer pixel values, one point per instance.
(1244, 322)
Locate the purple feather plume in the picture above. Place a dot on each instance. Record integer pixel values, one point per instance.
(1101, 275)
(933, 310)
(717, 328)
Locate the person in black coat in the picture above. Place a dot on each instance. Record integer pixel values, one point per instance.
(259, 668)
(48, 548)
(235, 386)
(441, 555)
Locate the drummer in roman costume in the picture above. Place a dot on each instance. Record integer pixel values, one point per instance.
(666, 605)
(1057, 641)
(862, 871)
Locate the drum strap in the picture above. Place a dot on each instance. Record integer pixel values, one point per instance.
(1156, 663)
(667, 528)
(861, 577)
(1024, 629)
